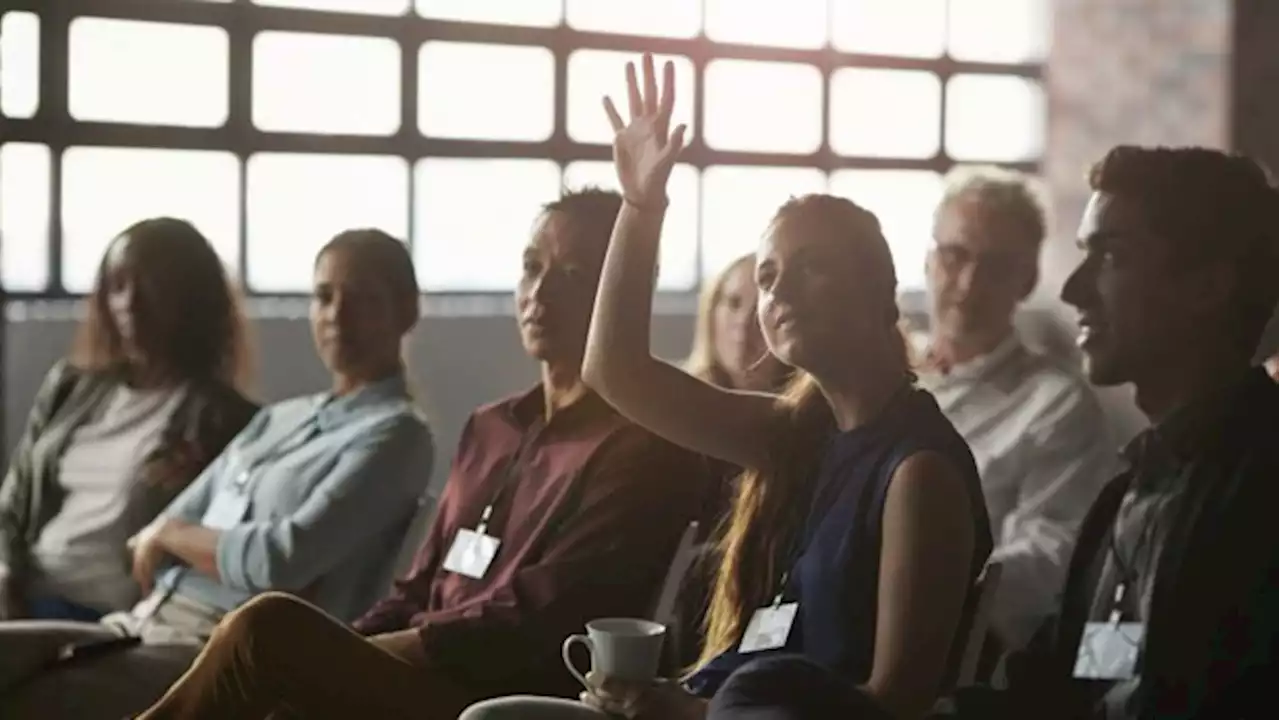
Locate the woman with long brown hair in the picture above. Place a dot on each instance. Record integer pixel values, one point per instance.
(150, 393)
(859, 529)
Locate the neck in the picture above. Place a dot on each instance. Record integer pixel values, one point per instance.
(562, 386)
(345, 383)
(950, 348)
(857, 398)
(1162, 391)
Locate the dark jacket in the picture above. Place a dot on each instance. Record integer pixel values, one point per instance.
(208, 417)
(1210, 649)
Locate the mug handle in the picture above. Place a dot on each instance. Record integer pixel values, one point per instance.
(569, 642)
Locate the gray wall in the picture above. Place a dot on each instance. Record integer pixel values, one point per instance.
(456, 362)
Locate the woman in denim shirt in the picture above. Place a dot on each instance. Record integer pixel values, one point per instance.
(313, 498)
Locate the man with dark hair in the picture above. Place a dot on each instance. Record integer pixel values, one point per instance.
(557, 511)
(1170, 602)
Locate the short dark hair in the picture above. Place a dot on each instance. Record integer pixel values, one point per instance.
(592, 208)
(1211, 206)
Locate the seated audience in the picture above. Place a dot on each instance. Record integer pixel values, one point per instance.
(557, 511)
(1169, 607)
(1037, 431)
(313, 497)
(859, 529)
(148, 396)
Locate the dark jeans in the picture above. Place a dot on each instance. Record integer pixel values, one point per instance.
(790, 687)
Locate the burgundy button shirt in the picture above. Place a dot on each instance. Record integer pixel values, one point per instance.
(589, 508)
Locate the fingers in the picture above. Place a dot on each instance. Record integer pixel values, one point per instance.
(614, 118)
(650, 85)
(674, 145)
(634, 103)
(668, 101)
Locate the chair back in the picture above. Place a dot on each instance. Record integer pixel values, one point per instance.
(665, 609)
(987, 584)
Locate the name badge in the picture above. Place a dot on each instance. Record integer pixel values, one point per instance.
(227, 509)
(769, 627)
(471, 553)
(1109, 650)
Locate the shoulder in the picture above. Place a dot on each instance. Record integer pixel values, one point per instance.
(225, 403)
(1058, 393)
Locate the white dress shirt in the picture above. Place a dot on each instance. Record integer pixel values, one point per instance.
(1044, 450)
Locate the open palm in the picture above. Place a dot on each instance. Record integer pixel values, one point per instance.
(645, 147)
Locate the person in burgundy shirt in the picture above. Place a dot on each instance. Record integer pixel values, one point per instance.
(587, 509)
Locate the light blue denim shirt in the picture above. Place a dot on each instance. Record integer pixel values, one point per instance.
(332, 485)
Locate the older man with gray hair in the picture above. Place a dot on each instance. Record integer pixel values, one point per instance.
(1037, 431)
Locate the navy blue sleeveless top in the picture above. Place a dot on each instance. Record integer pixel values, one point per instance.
(836, 576)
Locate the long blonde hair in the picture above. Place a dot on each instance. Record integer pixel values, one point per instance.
(702, 362)
(770, 507)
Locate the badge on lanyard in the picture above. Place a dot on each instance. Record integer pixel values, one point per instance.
(473, 551)
(770, 626)
(1110, 650)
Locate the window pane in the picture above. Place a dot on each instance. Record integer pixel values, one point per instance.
(678, 252)
(906, 28)
(999, 30)
(791, 96)
(994, 117)
(541, 13)
(147, 73)
(664, 18)
(24, 216)
(105, 190)
(904, 201)
(340, 84)
(486, 92)
(370, 7)
(885, 113)
(474, 218)
(796, 23)
(295, 203)
(739, 201)
(19, 64)
(596, 73)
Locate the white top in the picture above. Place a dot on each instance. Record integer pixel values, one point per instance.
(1044, 450)
(80, 555)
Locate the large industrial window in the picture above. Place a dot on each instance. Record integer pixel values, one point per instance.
(273, 124)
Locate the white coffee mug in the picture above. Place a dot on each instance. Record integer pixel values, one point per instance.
(622, 648)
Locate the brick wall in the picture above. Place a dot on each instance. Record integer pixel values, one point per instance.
(1129, 71)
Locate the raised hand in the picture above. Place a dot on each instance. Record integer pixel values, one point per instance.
(645, 147)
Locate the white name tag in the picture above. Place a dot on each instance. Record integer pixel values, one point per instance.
(1109, 650)
(769, 627)
(471, 553)
(228, 508)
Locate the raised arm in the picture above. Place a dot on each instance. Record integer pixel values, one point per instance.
(732, 426)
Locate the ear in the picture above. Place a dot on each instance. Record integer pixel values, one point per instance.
(1210, 288)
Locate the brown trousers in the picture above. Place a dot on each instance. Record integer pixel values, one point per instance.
(280, 657)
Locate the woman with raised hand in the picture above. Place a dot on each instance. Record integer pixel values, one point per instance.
(149, 395)
(858, 531)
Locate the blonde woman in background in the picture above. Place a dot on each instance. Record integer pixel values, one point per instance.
(728, 348)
